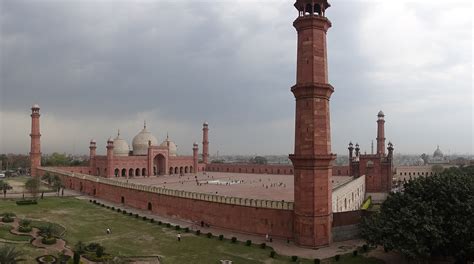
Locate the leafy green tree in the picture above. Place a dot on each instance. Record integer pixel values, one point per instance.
(4, 186)
(54, 181)
(32, 185)
(10, 255)
(432, 216)
(437, 169)
(259, 160)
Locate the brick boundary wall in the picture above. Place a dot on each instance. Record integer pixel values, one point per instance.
(252, 216)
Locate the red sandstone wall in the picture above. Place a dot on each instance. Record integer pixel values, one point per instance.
(346, 218)
(340, 170)
(85, 170)
(245, 219)
(250, 168)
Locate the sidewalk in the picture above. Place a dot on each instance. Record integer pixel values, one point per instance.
(279, 245)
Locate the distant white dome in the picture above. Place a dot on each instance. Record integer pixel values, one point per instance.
(438, 153)
(141, 140)
(172, 148)
(121, 147)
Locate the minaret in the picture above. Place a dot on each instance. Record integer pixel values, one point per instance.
(351, 152)
(380, 133)
(110, 158)
(195, 157)
(35, 148)
(205, 143)
(92, 153)
(312, 159)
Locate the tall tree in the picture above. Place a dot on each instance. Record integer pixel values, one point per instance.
(32, 185)
(432, 216)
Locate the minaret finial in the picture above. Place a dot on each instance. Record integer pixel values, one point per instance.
(144, 124)
(118, 132)
(167, 136)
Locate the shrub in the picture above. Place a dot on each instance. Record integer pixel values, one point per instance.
(130, 214)
(26, 202)
(136, 215)
(263, 245)
(354, 253)
(102, 205)
(248, 242)
(221, 237)
(90, 201)
(317, 261)
(198, 232)
(159, 222)
(365, 247)
(233, 239)
(92, 247)
(177, 227)
(108, 207)
(119, 210)
(294, 258)
(25, 222)
(272, 254)
(337, 257)
(186, 230)
(168, 225)
(24, 229)
(99, 251)
(152, 220)
(113, 208)
(124, 212)
(209, 235)
(7, 219)
(48, 240)
(144, 218)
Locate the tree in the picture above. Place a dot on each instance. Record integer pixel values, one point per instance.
(259, 160)
(9, 255)
(432, 216)
(54, 181)
(437, 169)
(4, 186)
(32, 185)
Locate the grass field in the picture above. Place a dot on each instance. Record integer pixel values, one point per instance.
(134, 237)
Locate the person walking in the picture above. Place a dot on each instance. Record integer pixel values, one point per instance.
(179, 237)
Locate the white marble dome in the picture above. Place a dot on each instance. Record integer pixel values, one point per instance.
(172, 148)
(140, 142)
(121, 147)
(438, 153)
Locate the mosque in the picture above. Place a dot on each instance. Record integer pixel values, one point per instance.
(147, 157)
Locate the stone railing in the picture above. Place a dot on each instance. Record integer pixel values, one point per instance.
(282, 205)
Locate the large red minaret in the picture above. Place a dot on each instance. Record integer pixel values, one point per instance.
(35, 149)
(312, 159)
(380, 133)
(205, 143)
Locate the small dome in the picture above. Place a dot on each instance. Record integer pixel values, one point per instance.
(121, 147)
(140, 142)
(205, 124)
(35, 106)
(380, 113)
(172, 148)
(438, 153)
(93, 141)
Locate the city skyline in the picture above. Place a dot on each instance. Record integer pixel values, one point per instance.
(109, 67)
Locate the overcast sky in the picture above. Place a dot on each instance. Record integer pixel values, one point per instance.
(98, 66)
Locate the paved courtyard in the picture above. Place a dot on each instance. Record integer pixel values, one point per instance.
(245, 185)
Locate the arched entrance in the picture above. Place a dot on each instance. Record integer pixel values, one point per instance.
(171, 171)
(159, 162)
(176, 170)
(143, 172)
(116, 172)
(137, 172)
(124, 172)
(130, 172)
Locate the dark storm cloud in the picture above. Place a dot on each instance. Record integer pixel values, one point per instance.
(232, 63)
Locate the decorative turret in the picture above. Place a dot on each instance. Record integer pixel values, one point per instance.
(357, 151)
(35, 148)
(390, 149)
(110, 157)
(351, 149)
(195, 157)
(92, 153)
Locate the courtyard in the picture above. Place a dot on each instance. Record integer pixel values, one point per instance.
(245, 185)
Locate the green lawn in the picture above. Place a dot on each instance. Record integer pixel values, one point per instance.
(130, 236)
(5, 234)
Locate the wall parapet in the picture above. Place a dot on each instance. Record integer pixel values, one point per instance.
(258, 203)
